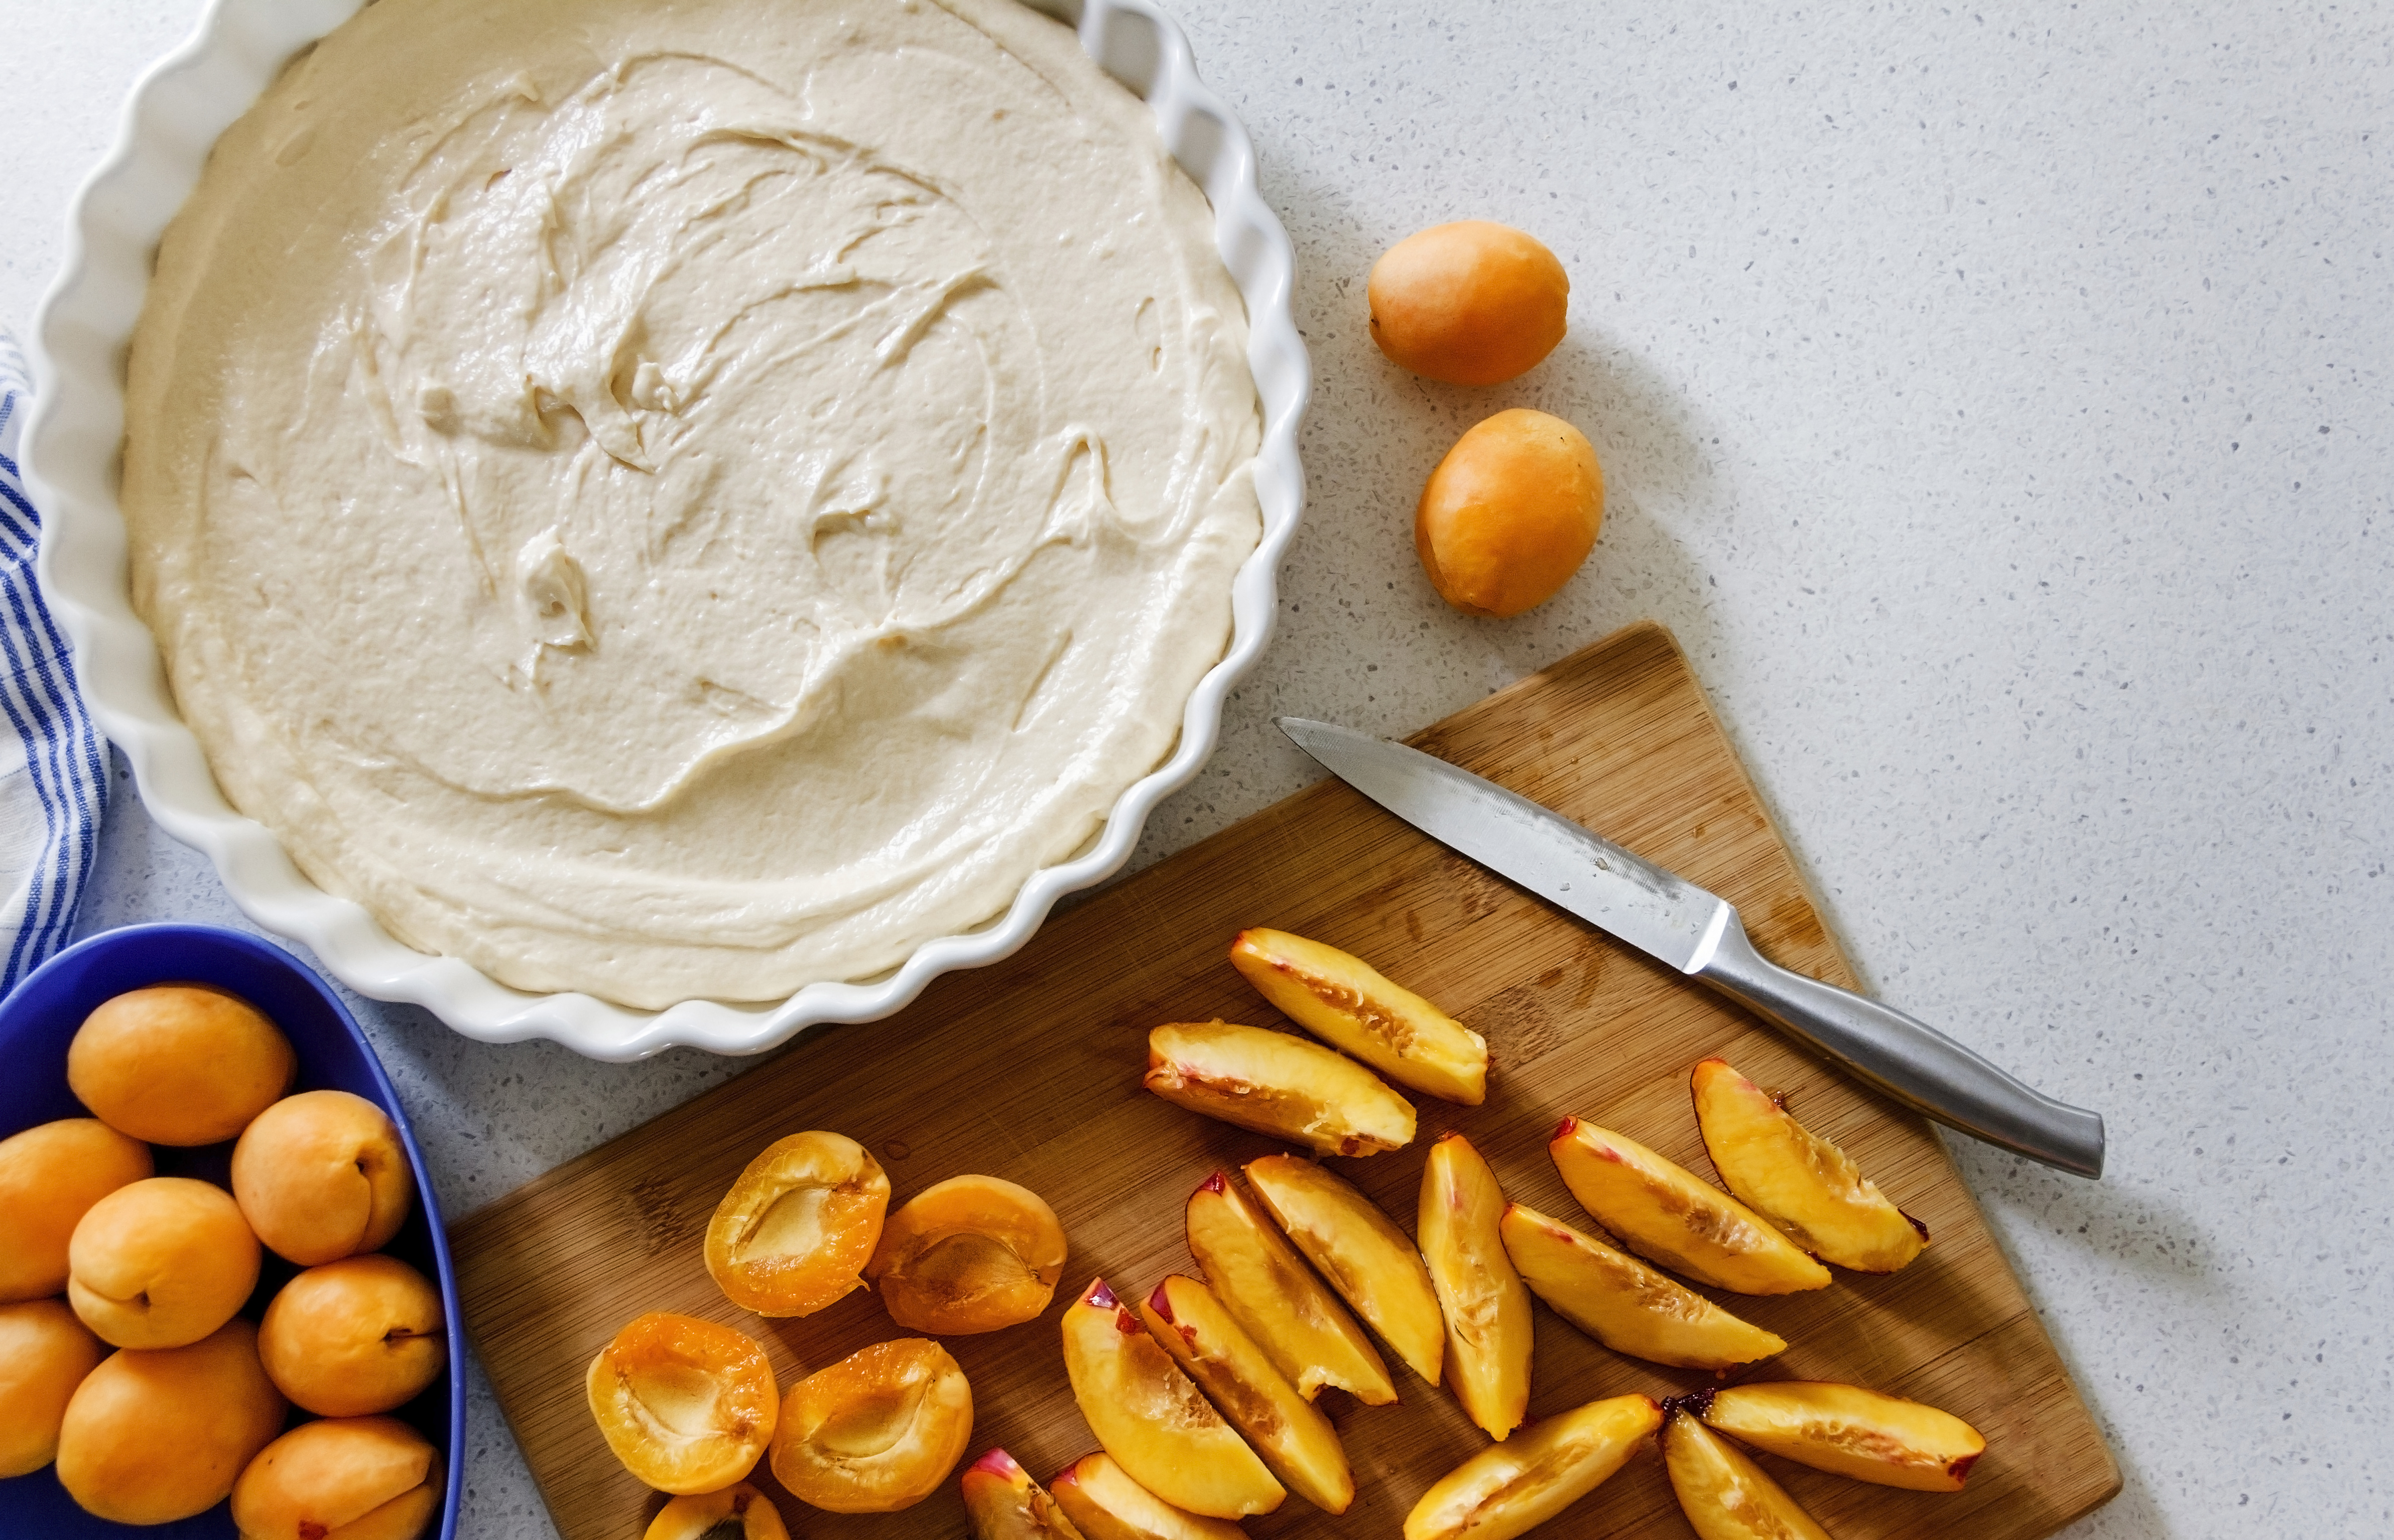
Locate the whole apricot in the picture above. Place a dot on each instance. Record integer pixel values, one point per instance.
(1510, 513)
(44, 1353)
(348, 1476)
(1470, 303)
(741, 1511)
(179, 1064)
(321, 1176)
(50, 1176)
(687, 1405)
(353, 1337)
(155, 1435)
(161, 1262)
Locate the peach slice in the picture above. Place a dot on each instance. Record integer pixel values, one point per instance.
(1107, 1504)
(687, 1406)
(355, 1337)
(1797, 1179)
(1295, 1442)
(364, 1477)
(154, 1435)
(1279, 1085)
(44, 1353)
(737, 1513)
(877, 1431)
(161, 1263)
(1360, 1251)
(1343, 1001)
(178, 1063)
(1724, 1494)
(321, 1176)
(1850, 1431)
(970, 1254)
(1514, 1486)
(50, 1175)
(1665, 1214)
(798, 1226)
(1268, 1290)
(1004, 1503)
(1624, 1304)
(1487, 1310)
(1149, 1416)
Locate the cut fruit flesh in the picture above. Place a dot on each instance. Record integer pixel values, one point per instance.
(1514, 1486)
(1360, 1251)
(741, 1511)
(1279, 1085)
(970, 1254)
(1487, 1310)
(1850, 1431)
(1724, 1494)
(1660, 1210)
(1268, 1289)
(1624, 1304)
(1151, 1417)
(1004, 1503)
(1107, 1504)
(1296, 1441)
(687, 1405)
(794, 1231)
(876, 1432)
(1799, 1181)
(1343, 1001)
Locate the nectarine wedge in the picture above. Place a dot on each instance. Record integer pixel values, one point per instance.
(1850, 1431)
(1360, 1251)
(970, 1254)
(1797, 1179)
(1003, 1502)
(739, 1513)
(1295, 1442)
(1663, 1213)
(1268, 1290)
(1724, 1494)
(1108, 1504)
(687, 1405)
(798, 1226)
(1487, 1310)
(1151, 1417)
(1343, 1000)
(1624, 1304)
(1279, 1085)
(876, 1432)
(1514, 1486)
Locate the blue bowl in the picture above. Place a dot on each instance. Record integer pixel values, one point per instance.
(36, 1023)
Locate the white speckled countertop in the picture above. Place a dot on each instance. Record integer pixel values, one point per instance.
(1999, 403)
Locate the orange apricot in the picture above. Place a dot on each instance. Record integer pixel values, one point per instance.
(1469, 303)
(687, 1406)
(179, 1064)
(161, 1262)
(44, 1353)
(737, 1513)
(970, 1254)
(876, 1432)
(347, 1476)
(50, 1175)
(797, 1226)
(158, 1434)
(1510, 513)
(321, 1176)
(353, 1337)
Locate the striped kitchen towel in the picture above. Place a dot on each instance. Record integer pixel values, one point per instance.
(53, 771)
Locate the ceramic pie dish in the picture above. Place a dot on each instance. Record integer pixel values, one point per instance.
(71, 446)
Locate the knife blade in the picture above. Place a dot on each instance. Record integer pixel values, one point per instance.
(1699, 934)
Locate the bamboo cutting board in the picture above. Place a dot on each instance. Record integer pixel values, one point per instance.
(1030, 1069)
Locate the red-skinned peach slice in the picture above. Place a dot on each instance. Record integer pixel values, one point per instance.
(1295, 1442)
(1724, 1494)
(794, 1234)
(1004, 1503)
(876, 1432)
(1665, 1214)
(1151, 1417)
(1850, 1431)
(1624, 1304)
(1360, 1251)
(1343, 1000)
(1514, 1486)
(1797, 1179)
(1277, 1083)
(739, 1510)
(970, 1254)
(1487, 1310)
(1107, 1504)
(687, 1405)
(1268, 1290)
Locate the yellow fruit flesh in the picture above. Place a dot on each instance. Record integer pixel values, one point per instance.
(1279, 1085)
(1269, 1291)
(1505, 1490)
(1343, 1000)
(1725, 1496)
(1807, 1186)
(1487, 1310)
(1360, 1251)
(1624, 1304)
(1850, 1431)
(1295, 1442)
(1663, 1213)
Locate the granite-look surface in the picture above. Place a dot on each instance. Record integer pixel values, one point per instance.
(1999, 403)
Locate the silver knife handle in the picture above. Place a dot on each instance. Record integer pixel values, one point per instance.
(1910, 1061)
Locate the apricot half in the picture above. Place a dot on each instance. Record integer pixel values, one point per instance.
(1277, 1083)
(970, 1254)
(687, 1405)
(1268, 1290)
(1724, 1494)
(161, 1262)
(1797, 1179)
(877, 1431)
(345, 1476)
(1850, 1431)
(1359, 1251)
(179, 1064)
(44, 1353)
(321, 1176)
(1487, 1310)
(50, 1176)
(1346, 1002)
(1512, 1487)
(1003, 1502)
(353, 1337)
(1296, 1442)
(737, 1513)
(1510, 514)
(1107, 1504)
(798, 1226)
(154, 1435)
(1624, 1304)
(1663, 1212)
(1469, 303)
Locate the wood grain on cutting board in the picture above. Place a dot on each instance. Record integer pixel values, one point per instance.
(1030, 1069)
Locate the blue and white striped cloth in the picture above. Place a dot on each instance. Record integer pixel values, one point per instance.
(53, 769)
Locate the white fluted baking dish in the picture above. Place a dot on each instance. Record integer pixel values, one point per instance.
(71, 447)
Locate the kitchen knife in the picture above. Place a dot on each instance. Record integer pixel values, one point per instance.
(1679, 923)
